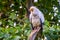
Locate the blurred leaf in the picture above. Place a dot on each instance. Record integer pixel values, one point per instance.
(12, 15)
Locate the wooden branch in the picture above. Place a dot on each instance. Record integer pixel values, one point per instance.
(33, 34)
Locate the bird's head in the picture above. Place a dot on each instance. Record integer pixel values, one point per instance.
(32, 8)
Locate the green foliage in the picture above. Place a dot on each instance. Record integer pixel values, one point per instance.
(51, 32)
(22, 31)
(15, 33)
(15, 26)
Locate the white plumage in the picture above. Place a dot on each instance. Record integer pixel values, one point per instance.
(37, 12)
(36, 16)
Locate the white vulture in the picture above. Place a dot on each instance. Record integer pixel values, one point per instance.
(36, 17)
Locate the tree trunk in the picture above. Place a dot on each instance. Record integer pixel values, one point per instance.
(29, 3)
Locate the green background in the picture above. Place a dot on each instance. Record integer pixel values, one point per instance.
(14, 25)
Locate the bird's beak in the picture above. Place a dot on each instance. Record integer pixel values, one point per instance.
(31, 9)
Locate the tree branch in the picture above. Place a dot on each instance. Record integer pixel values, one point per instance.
(33, 34)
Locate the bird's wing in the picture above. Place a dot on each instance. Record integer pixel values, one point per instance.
(41, 16)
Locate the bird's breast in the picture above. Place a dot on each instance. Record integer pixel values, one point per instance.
(35, 21)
